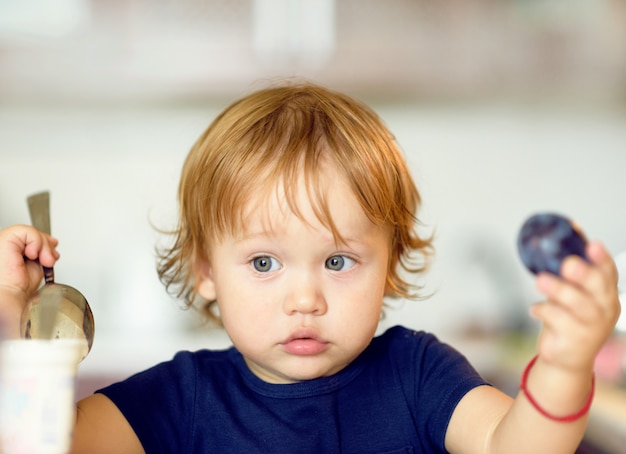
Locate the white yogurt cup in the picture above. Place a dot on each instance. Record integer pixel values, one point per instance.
(37, 395)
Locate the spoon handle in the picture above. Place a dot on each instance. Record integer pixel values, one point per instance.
(48, 274)
(39, 209)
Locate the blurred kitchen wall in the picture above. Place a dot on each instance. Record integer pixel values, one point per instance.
(503, 108)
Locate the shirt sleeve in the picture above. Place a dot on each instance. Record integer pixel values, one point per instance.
(437, 378)
(158, 403)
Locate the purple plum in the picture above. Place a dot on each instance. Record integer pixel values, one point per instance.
(546, 239)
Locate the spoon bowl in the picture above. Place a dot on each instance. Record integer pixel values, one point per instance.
(58, 311)
(55, 311)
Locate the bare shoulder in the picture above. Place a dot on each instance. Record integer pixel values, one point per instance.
(475, 418)
(102, 428)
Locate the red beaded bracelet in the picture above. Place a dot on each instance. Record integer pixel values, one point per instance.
(538, 407)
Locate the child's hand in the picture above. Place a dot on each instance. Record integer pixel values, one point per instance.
(580, 311)
(23, 250)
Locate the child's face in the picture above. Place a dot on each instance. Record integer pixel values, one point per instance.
(295, 304)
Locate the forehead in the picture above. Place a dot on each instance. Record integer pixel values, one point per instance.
(325, 202)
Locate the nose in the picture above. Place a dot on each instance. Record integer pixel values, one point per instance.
(305, 295)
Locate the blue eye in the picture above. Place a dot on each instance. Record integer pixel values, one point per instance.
(265, 264)
(339, 263)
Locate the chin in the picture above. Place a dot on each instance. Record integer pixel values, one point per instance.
(304, 372)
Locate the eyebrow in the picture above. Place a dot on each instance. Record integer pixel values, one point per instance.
(251, 235)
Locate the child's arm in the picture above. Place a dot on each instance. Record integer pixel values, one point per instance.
(578, 316)
(100, 426)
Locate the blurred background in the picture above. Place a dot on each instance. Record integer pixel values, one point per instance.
(503, 108)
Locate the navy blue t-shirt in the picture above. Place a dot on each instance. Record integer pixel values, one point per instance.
(396, 397)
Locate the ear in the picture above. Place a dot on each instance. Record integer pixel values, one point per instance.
(204, 284)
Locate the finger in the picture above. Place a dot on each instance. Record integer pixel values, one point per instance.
(49, 255)
(38, 246)
(600, 256)
(598, 278)
(559, 320)
(563, 339)
(569, 296)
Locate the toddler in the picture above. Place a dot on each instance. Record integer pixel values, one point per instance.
(297, 218)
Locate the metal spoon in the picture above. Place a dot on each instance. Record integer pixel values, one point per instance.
(56, 310)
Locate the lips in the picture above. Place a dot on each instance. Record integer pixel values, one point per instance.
(304, 342)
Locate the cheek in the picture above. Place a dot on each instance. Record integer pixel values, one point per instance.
(236, 321)
(242, 309)
(377, 280)
(247, 325)
(360, 302)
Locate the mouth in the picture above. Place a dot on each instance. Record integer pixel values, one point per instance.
(304, 343)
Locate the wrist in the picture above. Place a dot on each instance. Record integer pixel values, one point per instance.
(582, 411)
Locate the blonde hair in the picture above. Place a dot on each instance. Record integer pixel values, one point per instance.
(271, 137)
